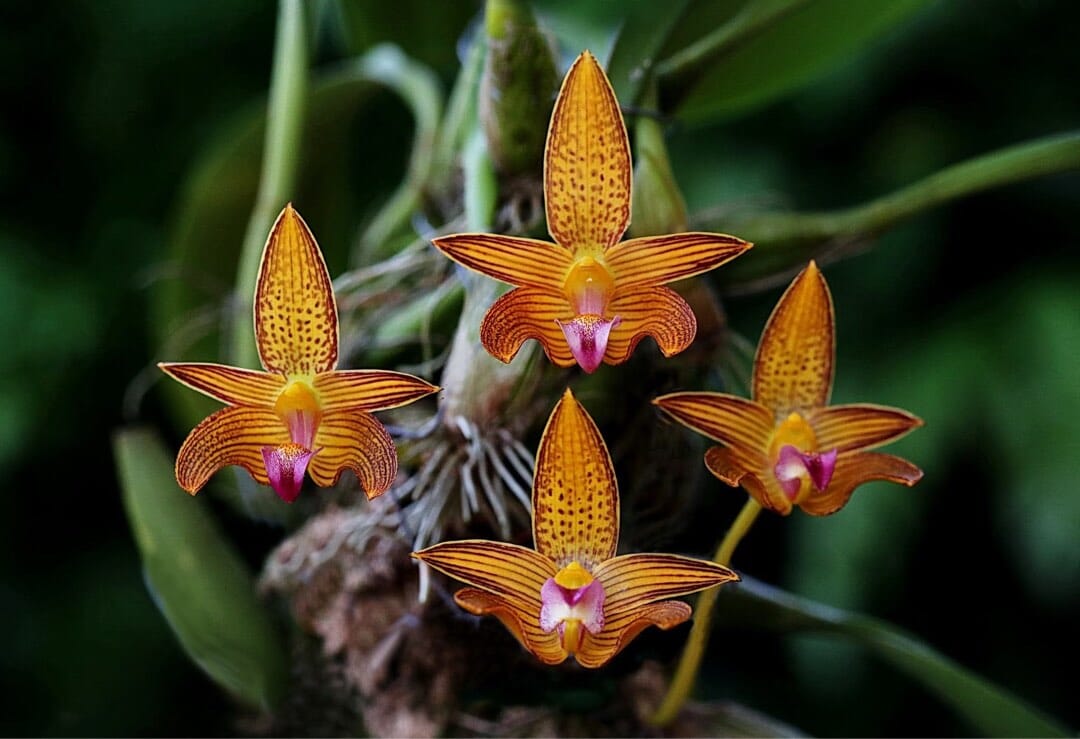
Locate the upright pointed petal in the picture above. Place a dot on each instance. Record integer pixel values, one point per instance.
(658, 260)
(793, 368)
(546, 647)
(527, 313)
(354, 440)
(634, 580)
(511, 259)
(658, 312)
(575, 495)
(296, 323)
(852, 470)
(231, 385)
(728, 419)
(514, 573)
(735, 467)
(859, 425)
(369, 390)
(587, 161)
(598, 649)
(234, 435)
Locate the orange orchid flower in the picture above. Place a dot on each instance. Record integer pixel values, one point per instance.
(572, 595)
(788, 447)
(301, 414)
(588, 298)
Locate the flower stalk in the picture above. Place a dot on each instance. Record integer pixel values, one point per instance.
(690, 661)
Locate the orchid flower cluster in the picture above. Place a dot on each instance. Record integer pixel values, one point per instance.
(588, 298)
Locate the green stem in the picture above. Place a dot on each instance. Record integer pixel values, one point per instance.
(784, 240)
(690, 662)
(682, 69)
(419, 88)
(281, 148)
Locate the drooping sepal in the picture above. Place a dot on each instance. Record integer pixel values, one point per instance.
(231, 436)
(597, 650)
(852, 470)
(527, 313)
(659, 312)
(545, 646)
(357, 441)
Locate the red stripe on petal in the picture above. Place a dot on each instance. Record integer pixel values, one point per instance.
(356, 441)
(232, 436)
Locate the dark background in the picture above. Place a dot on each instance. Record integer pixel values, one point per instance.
(968, 315)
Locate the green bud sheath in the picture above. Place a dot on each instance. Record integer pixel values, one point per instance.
(517, 88)
(658, 205)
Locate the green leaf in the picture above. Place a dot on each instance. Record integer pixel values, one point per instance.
(197, 579)
(642, 35)
(990, 709)
(764, 50)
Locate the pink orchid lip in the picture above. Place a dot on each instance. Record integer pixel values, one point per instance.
(792, 464)
(559, 604)
(587, 336)
(286, 466)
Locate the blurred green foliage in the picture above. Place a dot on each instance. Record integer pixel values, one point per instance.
(122, 112)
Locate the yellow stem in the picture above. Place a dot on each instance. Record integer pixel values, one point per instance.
(690, 662)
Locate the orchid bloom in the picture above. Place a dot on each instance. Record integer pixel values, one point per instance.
(788, 447)
(588, 298)
(301, 414)
(572, 595)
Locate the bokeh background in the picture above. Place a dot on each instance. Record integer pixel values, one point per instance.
(968, 315)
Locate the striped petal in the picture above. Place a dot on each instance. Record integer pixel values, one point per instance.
(296, 324)
(793, 368)
(546, 647)
(598, 649)
(859, 426)
(513, 573)
(635, 580)
(527, 313)
(658, 260)
(230, 385)
(354, 440)
(852, 470)
(736, 468)
(234, 435)
(587, 161)
(728, 419)
(511, 259)
(368, 390)
(575, 495)
(658, 312)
